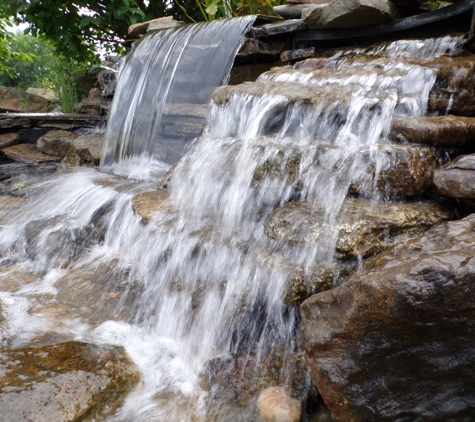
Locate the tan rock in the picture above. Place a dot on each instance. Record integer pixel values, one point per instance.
(62, 382)
(443, 131)
(29, 154)
(145, 204)
(9, 139)
(102, 290)
(46, 93)
(276, 405)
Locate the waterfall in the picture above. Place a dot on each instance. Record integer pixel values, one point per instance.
(164, 87)
(203, 281)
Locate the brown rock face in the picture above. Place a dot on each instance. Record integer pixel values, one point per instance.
(9, 139)
(56, 142)
(457, 178)
(15, 101)
(63, 382)
(364, 227)
(29, 154)
(395, 341)
(441, 131)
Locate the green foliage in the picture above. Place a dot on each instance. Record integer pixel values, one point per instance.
(6, 52)
(78, 28)
(45, 69)
(61, 83)
(434, 4)
(21, 187)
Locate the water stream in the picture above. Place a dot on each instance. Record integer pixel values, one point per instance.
(200, 286)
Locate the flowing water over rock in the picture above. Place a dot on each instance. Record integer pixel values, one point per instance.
(193, 291)
(160, 102)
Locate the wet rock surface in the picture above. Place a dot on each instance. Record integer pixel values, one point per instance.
(235, 382)
(364, 227)
(404, 171)
(62, 382)
(101, 291)
(56, 142)
(147, 203)
(394, 341)
(457, 178)
(441, 131)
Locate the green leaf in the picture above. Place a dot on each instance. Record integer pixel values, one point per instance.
(85, 21)
(212, 8)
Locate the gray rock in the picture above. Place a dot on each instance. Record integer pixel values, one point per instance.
(302, 53)
(56, 142)
(394, 341)
(63, 382)
(457, 178)
(348, 13)
(162, 23)
(290, 11)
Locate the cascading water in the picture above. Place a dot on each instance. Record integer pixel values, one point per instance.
(201, 282)
(164, 87)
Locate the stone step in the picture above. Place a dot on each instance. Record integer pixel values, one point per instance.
(441, 131)
(404, 170)
(452, 92)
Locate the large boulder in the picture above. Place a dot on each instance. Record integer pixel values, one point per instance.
(457, 178)
(63, 382)
(14, 101)
(348, 13)
(395, 341)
